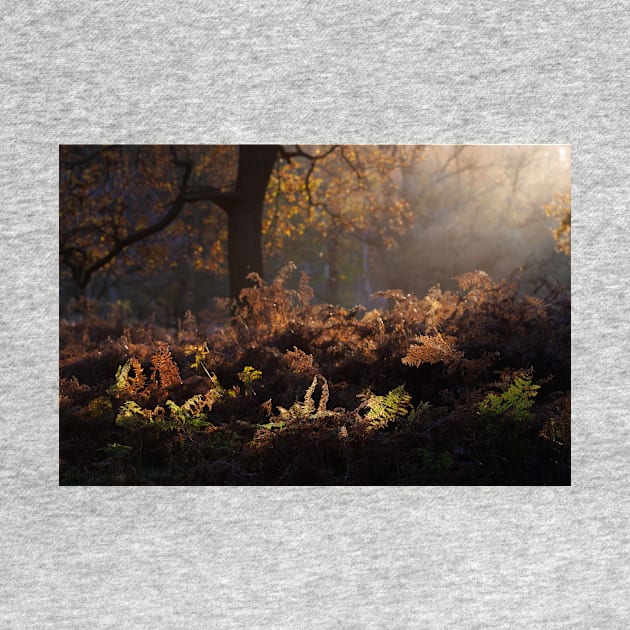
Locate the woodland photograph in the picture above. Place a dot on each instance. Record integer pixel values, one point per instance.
(314, 315)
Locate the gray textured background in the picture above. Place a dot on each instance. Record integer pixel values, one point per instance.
(217, 72)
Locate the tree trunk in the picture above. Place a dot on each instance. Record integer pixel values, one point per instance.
(255, 165)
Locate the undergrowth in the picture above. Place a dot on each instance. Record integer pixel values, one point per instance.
(459, 387)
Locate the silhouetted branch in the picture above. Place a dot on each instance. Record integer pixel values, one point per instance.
(300, 152)
(175, 207)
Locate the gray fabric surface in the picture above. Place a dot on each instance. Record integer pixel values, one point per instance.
(230, 72)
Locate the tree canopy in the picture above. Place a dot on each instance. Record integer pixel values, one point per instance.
(139, 207)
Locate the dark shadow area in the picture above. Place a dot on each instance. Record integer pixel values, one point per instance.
(465, 387)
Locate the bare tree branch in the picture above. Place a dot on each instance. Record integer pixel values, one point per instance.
(82, 161)
(300, 152)
(223, 199)
(175, 207)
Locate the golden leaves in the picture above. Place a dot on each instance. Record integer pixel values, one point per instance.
(353, 190)
(560, 210)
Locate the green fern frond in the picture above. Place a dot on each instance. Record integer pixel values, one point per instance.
(300, 411)
(121, 379)
(248, 377)
(515, 403)
(132, 416)
(385, 409)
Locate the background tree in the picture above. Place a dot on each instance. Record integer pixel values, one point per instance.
(560, 210)
(116, 200)
(337, 207)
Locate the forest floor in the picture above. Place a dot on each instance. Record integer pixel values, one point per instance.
(470, 387)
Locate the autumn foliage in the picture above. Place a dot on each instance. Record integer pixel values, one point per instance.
(457, 387)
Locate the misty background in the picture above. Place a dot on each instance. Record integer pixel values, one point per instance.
(467, 207)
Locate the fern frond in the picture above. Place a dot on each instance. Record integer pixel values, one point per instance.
(302, 411)
(308, 404)
(305, 290)
(195, 405)
(513, 404)
(129, 379)
(385, 409)
(249, 375)
(298, 362)
(132, 416)
(164, 365)
(121, 379)
(432, 349)
(474, 280)
(284, 274)
(323, 401)
(138, 380)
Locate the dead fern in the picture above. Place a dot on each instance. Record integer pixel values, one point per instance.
(136, 380)
(129, 379)
(431, 350)
(305, 291)
(71, 391)
(306, 411)
(266, 309)
(187, 328)
(298, 362)
(474, 280)
(440, 306)
(535, 307)
(283, 275)
(165, 367)
(323, 400)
